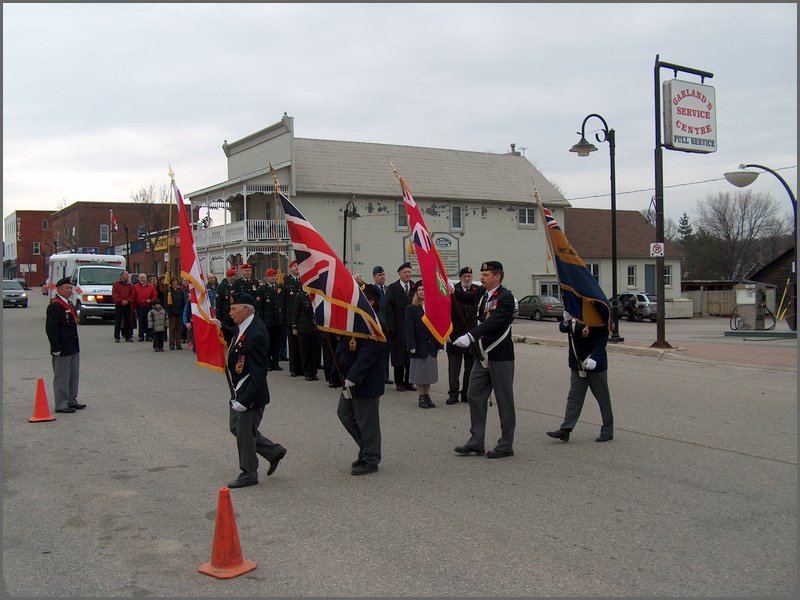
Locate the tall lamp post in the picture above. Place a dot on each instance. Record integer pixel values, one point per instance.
(349, 212)
(584, 148)
(742, 178)
(127, 247)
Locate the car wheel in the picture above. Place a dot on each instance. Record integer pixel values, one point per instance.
(537, 315)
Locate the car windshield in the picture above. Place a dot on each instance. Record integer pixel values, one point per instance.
(651, 297)
(551, 300)
(98, 275)
(11, 285)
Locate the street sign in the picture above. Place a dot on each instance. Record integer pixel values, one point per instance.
(656, 249)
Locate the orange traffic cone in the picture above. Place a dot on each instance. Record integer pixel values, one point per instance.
(226, 552)
(41, 409)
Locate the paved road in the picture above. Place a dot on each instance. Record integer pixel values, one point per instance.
(696, 495)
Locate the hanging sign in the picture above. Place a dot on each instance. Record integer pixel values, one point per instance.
(690, 116)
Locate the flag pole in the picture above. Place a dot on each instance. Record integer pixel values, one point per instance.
(169, 234)
(275, 192)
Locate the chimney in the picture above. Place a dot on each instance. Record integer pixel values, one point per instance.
(513, 151)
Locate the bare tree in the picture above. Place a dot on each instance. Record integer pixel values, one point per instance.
(670, 227)
(153, 206)
(739, 221)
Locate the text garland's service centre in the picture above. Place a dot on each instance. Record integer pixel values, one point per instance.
(690, 116)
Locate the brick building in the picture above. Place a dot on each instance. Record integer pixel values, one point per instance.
(27, 242)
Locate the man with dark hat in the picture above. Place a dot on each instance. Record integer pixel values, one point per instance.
(464, 315)
(494, 369)
(268, 309)
(225, 297)
(398, 296)
(61, 326)
(247, 365)
(292, 288)
(379, 279)
(246, 283)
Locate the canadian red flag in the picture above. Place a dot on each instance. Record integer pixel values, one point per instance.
(114, 226)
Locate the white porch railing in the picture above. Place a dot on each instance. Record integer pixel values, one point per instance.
(241, 232)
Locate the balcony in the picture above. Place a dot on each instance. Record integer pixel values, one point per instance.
(242, 233)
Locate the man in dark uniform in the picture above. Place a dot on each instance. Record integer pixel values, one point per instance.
(61, 326)
(225, 297)
(464, 315)
(361, 363)
(291, 291)
(268, 309)
(304, 328)
(247, 365)
(494, 369)
(398, 296)
(379, 277)
(246, 283)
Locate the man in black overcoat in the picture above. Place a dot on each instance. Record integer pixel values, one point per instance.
(61, 326)
(268, 309)
(398, 296)
(464, 316)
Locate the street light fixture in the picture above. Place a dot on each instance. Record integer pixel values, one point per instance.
(584, 148)
(743, 178)
(351, 212)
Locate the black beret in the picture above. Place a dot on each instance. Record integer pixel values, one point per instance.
(376, 270)
(244, 298)
(372, 291)
(417, 285)
(64, 281)
(464, 271)
(492, 265)
(404, 266)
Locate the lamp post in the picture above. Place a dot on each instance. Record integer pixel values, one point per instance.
(584, 148)
(127, 247)
(742, 178)
(351, 212)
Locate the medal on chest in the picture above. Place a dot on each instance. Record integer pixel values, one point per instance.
(239, 368)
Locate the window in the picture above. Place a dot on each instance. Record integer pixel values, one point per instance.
(527, 216)
(36, 248)
(456, 218)
(594, 269)
(44, 224)
(104, 239)
(668, 275)
(402, 217)
(631, 276)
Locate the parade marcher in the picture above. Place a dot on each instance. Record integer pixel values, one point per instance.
(175, 313)
(360, 361)
(268, 309)
(291, 292)
(157, 323)
(464, 316)
(124, 297)
(61, 326)
(247, 364)
(422, 347)
(304, 328)
(398, 296)
(588, 364)
(225, 297)
(246, 283)
(379, 279)
(144, 293)
(494, 369)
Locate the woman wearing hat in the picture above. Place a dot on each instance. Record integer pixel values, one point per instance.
(422, 347)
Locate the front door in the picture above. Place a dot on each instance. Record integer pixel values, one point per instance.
(649, 279)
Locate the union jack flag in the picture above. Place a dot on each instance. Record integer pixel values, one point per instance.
(339, 305)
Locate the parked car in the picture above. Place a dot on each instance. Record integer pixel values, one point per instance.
(541, 307)
(13, 294)
(22, 282)
(644, 308)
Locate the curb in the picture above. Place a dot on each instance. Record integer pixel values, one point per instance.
(634, 350)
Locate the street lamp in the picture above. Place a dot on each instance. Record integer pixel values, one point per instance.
(351, 212)
(742, 178)
(584, 148)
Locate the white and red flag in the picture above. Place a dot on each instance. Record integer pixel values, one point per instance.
(437, 317)
(114, 226)
(339, 304)
(208, 341)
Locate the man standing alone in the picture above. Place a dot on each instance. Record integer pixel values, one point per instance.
(61, 326)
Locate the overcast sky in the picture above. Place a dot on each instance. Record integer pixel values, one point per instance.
(98, 99)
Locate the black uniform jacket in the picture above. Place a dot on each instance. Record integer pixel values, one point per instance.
(363, 364)
(247, 364)
(268, 304)
(395, 313)
(593, 345)
(245, 286)
(495, 316)
(224, 301)
(418, 336)
(464, 309)
(291, 290)
(61, 326)
(303, 313)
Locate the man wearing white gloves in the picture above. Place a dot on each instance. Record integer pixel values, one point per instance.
(247, 364)
(588, 363)
(494, 368)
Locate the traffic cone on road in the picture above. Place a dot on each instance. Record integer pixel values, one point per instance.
(41, 409)
(226, 552)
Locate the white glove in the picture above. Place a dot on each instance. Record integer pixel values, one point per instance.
(56, 353)
(348, 383)
(464, 341)
(413, 350)
(567, 316)
(188, 325)
(238, 407)
(589, 364)
(216, 322)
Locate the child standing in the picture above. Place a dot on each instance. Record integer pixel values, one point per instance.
(157, 322)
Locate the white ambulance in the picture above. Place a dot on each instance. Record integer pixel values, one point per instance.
(92, 276)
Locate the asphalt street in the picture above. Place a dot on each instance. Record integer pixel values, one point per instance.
(695, 496)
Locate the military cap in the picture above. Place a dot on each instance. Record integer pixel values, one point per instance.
(247, 266)
(64, 281)
(231, 272)
(376, 270)
(271, 272)
(417, 285)
(294, 262)
(492, 265)
(244, 298)
(465, 271)
(405, 265)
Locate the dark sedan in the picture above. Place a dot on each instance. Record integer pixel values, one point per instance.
(13, 294)
(541, 307)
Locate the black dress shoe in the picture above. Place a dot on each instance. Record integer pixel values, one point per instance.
(604, 437)
(423, 403)
(240, 482)
(429, 401)
(401, 387)
(294, 374)
(277, 368)
(312, 378)
(273, 464)
(363, 469)
(467, 450)
(411, 387)
(389, 382)
(561, 434)
(77, 406)
(451, 399)
(69, 409)
(499, 453)
(355, 463)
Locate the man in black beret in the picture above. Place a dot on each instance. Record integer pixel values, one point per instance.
(494, 369)
(379, 278)
(398, 296)
(248, 342)
(61, 326)
(463, 314)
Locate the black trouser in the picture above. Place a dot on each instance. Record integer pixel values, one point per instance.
(274, 351)
(295, 364)
(158, 340)
(141, 312)
(123, 321)
(454, 359)
(250, 441)
(361, 419)
(309, 353)
(401, 374)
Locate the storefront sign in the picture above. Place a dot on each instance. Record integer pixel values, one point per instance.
(446, 246)
(690, 116)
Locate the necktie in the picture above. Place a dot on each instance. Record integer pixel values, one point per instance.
(405, 288)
